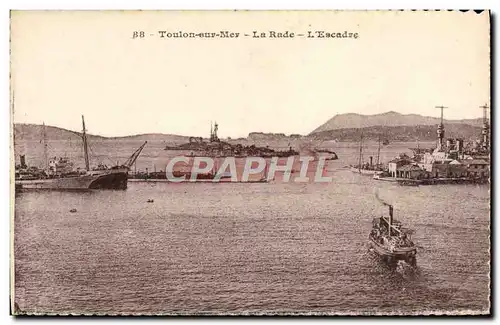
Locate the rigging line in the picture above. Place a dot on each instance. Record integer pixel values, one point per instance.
(94, 154)
(91, 151)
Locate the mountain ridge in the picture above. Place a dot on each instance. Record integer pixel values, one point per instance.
(390, 118)
(34, 132)
(400, 133)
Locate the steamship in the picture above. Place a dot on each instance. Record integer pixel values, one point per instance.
(59, 175)
(368, 168)
(392, 242)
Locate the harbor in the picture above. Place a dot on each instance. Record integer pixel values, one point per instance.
(311, 238)
(451, 161)
(59, 174)
(236, 175)
(306, 233)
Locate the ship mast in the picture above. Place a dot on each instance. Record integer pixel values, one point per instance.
(485, 113)
(391, 216)
(378, 152)
(85, 145)
(360, 152)
(485, 130)
(45, 154)
(440, 130)
(418, 142)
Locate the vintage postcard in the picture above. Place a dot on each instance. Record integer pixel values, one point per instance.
(250, 163)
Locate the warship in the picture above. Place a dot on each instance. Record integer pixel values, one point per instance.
(451, 161)
(59, 174)
(211, 176)
(216, 147)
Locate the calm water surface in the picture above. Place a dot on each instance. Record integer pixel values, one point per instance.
(249, 248)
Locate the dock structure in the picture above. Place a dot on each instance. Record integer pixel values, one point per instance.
(451, 162)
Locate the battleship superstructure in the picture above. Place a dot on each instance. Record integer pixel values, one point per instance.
(451, 161)
(216, 147)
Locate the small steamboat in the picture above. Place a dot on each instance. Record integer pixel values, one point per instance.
(392, 242)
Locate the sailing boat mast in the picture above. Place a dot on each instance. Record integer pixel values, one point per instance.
(418, 142)
(45, 151)
(360, 152)
(85, 145)
(378, 152)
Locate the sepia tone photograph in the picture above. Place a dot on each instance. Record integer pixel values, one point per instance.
(213, 163)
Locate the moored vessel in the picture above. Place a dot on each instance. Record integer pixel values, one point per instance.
(217, 147)
(59, 174)
(368, 168)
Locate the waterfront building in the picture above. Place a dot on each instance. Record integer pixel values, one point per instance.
(450, 159)
(396, 164)
(410, 171)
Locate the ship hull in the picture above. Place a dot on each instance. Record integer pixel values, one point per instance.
(108, 179)
(431, 181)
(365, 171)
(407, 254)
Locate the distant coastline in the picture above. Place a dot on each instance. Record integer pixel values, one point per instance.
(392, 126)
(32, 132)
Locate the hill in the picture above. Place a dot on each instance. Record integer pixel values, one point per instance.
(351, 121)
(34, 132)
(400, 133)
(261, 136)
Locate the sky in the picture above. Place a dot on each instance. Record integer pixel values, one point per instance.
(68, 64)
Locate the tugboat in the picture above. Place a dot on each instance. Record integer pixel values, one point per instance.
(392, 242)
